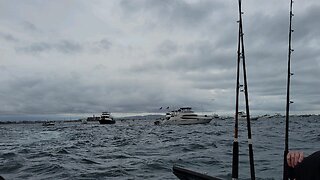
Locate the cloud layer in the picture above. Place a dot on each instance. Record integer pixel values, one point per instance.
(136, 56)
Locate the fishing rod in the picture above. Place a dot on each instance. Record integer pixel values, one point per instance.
(251, 159)
(235, 153)
(288, 102)
(241, 56)
(186, 174)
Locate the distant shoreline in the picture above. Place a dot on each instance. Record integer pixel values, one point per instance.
(89, 119)
(38, 121)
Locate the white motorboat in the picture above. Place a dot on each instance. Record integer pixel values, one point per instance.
(184, 116)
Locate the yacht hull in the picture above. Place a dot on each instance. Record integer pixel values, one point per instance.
(186, 121)
(107, 121)
(184, 116)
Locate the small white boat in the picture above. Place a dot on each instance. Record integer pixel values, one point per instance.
(184, 116)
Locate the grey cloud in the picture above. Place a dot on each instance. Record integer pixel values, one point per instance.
(69, 92)
(204, 55)
(35, 48)
(46, 94)
(200, 56)
(172, 12)
(105, 44)
(64, 46)
(167, 48)
(266, 29)
(9, 37)
(224, 79)
(68, 47)
(306, 25)
(305, 82)
(184, 53)
(29, 26)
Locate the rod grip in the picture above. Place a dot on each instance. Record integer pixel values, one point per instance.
(235, 160)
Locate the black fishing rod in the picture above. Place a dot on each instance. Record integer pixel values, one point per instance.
(288, 102)
(185, 174)
(241, 56)
(235, 152)
(251, 159)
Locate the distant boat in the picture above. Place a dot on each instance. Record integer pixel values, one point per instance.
(48, 123)
(277, 115)
(184, 116)
(305, 115)
(106, 118)
(242, 116)
(84, 121)
(93, 118)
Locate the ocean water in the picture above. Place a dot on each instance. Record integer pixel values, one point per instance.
(137, 149)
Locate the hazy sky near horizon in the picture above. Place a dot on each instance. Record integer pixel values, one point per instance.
(81, 56)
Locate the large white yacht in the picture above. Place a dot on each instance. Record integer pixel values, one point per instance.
(184, 116)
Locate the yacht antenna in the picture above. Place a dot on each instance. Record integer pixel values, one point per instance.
(241, 56)
(286, 148)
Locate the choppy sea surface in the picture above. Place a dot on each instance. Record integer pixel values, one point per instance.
(137, 149)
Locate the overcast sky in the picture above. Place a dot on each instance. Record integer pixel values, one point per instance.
(79, 56)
